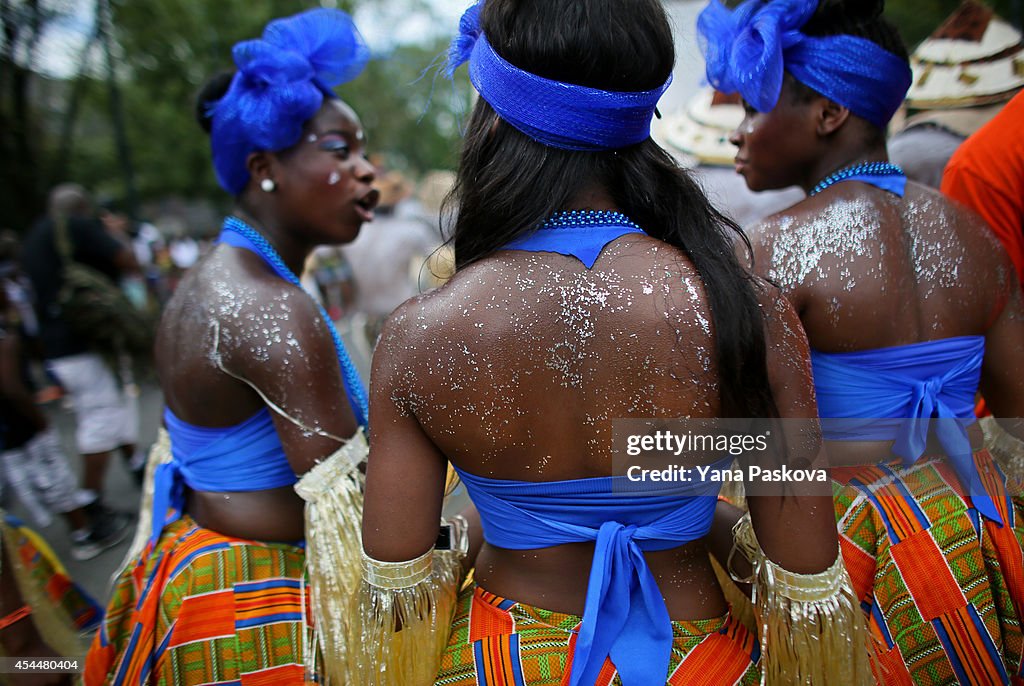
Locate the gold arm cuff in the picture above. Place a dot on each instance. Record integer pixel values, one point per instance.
(397, 575)
(811, 627)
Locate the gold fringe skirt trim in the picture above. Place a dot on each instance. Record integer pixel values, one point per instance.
(811, 627)
(1007, 450)
(333, 491)
(53, 623)
(159, 454)
(405, 613)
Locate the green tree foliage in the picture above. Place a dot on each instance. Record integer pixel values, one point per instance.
(23, 24)
(168, 48)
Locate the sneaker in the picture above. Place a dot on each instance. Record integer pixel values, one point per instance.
(106, 533)
(98, 511)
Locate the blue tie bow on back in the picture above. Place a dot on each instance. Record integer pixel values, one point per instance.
(245, 457)
(557, 114)
(903, 393)
(748, 50)
(281, 83)
(624, 616)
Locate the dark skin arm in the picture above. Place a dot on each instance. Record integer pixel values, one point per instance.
(1002, 373)
(406, 471)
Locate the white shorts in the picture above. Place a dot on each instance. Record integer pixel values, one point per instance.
(107, 417)
(40, 475)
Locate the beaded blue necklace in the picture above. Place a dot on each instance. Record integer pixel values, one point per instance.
(353, 385)
(587, 218)
(866, 169)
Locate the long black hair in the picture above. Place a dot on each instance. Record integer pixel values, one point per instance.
(508, 183)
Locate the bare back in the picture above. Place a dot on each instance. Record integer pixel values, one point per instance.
(867, 269)
(230, 319)
(516, 369)
(522, 361)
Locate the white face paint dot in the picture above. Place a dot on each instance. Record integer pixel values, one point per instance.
(334, 178)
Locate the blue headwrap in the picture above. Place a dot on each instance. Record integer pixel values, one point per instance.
(748, 49)
(561, 115)
(281, 82)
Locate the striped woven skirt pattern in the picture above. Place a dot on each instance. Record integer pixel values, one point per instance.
(498, 642)
(202, 608)
(943, 587)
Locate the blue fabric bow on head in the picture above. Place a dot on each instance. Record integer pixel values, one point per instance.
(554, 113)
(749, 49)
(281, 83)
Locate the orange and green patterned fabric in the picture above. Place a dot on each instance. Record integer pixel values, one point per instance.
(943, 587)
(47, 574)
(199, 607)
(498, 642)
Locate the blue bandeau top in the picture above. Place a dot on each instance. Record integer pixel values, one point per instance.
(245, 457)
(624, 616)
(893, 394)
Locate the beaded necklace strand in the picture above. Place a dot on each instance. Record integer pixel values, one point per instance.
(350, 377)
(864, 169)
(572, 219)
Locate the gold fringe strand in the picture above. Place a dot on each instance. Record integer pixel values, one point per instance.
(740, 606)
(52, 621)
(333, 491)
(811, 627)
(406, 610)
(159, 454)
(1007, 450)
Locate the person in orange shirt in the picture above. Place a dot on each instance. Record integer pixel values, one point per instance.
(987, 174)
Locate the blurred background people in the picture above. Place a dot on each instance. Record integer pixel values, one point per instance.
(32, 462)
(964, 73)
(388, 259)
(106, 416)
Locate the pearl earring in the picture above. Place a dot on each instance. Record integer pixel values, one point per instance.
(268, 185)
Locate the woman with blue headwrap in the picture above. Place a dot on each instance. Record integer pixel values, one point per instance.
(911, 309)
(259, 392)
(593, 281)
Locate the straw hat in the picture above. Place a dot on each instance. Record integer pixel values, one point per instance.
(701, 131)
(974, 58)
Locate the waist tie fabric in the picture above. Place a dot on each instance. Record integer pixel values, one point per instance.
(624, 615)
(245, 457)
(895, 393)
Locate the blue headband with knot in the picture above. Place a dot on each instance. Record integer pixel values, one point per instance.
(561, 115)
(281, 83)
(747, 50)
